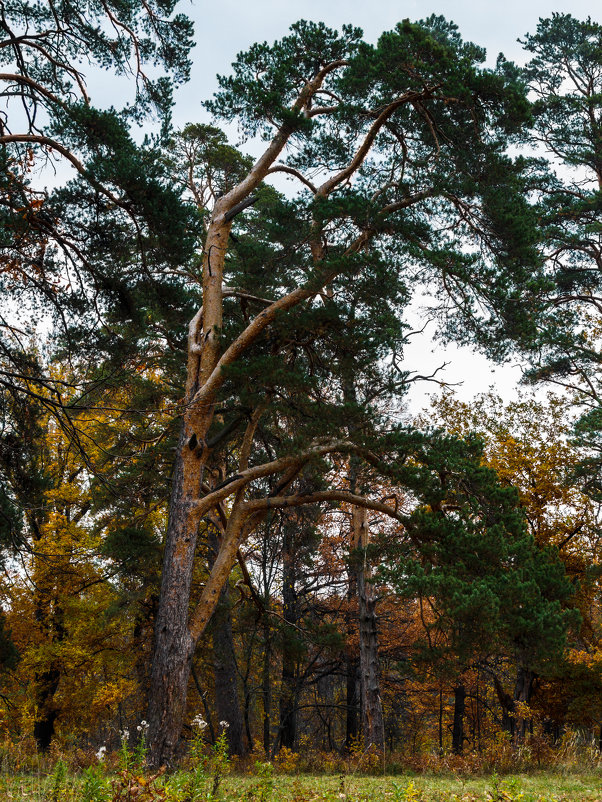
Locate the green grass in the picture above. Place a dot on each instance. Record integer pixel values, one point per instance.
(535, 787)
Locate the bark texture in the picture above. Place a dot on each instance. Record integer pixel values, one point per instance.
(372, 712)
(173, 644)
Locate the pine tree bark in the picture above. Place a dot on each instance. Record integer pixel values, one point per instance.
(177, 632)
(372, 713)
(289, 693)
(351, 664)
(174, 644)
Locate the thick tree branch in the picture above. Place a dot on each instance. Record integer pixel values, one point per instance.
(265, 161)
(346, 496)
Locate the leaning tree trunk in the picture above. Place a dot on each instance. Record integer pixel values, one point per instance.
(372, 712)
(512, 723)
(177, 633)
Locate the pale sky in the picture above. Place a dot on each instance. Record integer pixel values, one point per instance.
(224, 28)
(229, 26)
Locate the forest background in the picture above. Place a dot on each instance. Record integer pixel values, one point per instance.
(330, 570)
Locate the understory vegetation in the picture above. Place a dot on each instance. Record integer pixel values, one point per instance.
(571, 772)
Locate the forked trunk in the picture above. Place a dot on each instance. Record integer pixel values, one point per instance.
(176, 634)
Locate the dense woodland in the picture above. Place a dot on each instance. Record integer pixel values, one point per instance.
(214, 501)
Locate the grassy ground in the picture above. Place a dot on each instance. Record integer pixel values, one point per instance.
(533, 787)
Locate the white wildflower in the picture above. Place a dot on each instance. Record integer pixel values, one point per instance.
(199, 721)
(224, 724)
(125, 735)
(100, 755)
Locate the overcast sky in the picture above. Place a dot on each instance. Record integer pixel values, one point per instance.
(224, 28)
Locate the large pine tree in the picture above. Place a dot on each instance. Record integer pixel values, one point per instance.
(399, 153)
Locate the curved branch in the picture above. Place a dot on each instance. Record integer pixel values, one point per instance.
(239, 480)
(323, 495)
(23, 79)
(281, 168)
(263, 320)
(38, 139)
(362, 151)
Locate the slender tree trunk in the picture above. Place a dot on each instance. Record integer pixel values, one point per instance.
(522, 693)
(225, 675)
(507, 705)
(478, 704)
(458, 725)
(372, 713)
(288, 696)
(203, 696)
(440, 720)
(352, 718)
(266, 686)
(351, 664)
(225, 670)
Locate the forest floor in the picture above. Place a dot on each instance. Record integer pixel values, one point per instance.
(90, 787)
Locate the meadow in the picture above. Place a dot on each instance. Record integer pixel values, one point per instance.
(96, 787)
(207, 774)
